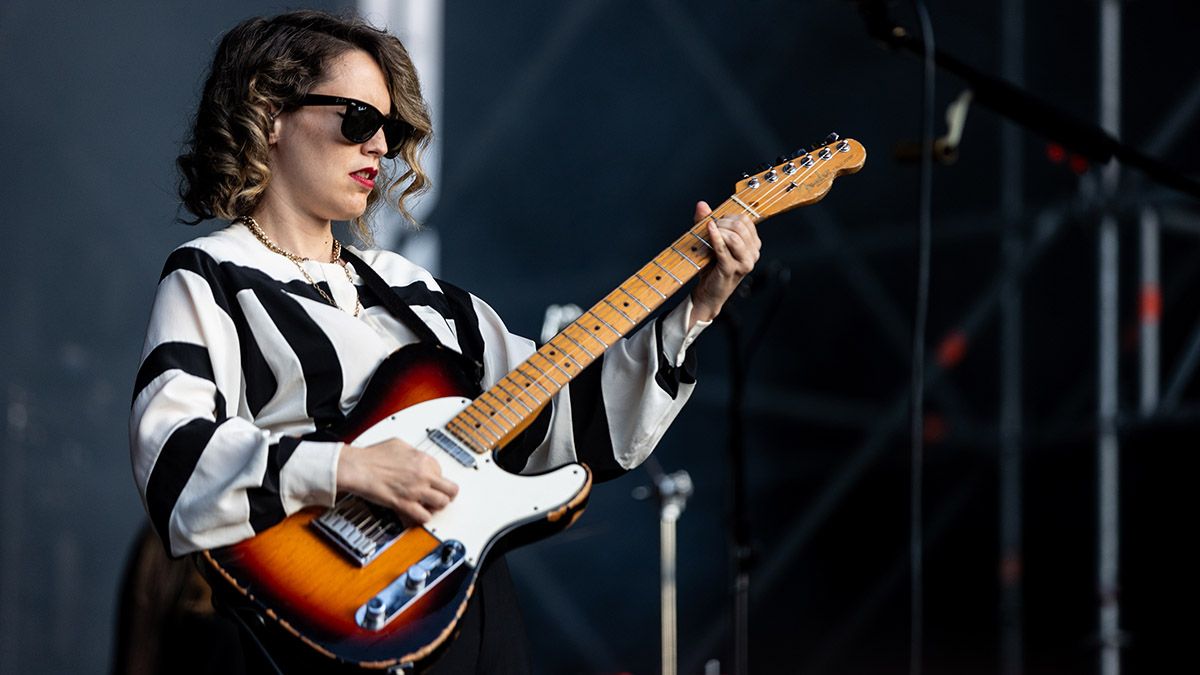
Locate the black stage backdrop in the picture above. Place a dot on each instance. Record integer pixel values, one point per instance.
(576, 137)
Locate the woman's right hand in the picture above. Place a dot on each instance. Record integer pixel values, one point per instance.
(397, 475)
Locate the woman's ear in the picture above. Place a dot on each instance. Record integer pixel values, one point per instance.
(276, 125)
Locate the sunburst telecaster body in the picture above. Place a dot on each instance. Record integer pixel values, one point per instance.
(354, 584)
(319, 571)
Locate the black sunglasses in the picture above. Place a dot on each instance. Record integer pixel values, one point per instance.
(362, 120)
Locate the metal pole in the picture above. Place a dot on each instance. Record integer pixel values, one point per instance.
(1107, 444)
(1150, 312)
(673, 492)
(666, 553)
(1010, 567)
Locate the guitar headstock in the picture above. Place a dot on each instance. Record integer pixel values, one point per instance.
(802, 178)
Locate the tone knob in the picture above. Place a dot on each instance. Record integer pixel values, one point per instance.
(415, 579)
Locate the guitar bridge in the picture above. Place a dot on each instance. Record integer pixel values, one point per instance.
(360, 529)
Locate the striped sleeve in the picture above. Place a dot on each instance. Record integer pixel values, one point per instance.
(612, 415)
(207, 475)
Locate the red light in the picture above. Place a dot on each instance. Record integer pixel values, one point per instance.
(952, 350)
(1151, 303)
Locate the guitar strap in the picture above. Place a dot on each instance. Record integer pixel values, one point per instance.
(400, 310)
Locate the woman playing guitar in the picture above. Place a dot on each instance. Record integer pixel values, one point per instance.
(265, 332)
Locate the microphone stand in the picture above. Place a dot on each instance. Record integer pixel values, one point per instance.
(1085, 139)
(672, 491)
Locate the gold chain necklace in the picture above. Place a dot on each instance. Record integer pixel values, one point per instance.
(299, 261)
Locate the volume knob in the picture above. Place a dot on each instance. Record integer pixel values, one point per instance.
(374, 616)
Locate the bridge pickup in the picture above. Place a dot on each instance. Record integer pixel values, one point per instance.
(380, 610)
(452, 447)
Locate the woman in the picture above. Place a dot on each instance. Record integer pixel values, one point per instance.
(261, 333)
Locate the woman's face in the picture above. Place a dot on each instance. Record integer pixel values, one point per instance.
(315, 172)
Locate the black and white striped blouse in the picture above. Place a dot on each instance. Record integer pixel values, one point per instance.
(243, 357)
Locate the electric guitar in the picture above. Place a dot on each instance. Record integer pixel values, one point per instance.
(351, 581)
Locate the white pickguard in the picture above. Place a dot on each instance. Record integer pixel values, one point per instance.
(490, 500)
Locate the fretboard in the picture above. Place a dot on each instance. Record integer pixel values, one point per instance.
(500, 413)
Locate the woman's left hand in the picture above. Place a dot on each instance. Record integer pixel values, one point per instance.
(736, 245)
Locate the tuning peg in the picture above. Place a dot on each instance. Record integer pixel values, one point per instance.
(831, 138)
(765, 166)
(782, 159)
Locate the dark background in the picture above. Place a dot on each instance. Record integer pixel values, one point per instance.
(577, 137)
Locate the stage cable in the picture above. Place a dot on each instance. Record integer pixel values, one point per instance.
(916, 469)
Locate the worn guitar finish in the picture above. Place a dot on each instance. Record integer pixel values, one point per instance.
(355, 585)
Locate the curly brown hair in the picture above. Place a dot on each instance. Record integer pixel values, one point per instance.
(264, 66)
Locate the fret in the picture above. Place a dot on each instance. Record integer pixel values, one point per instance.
(745, 206)
(534, 381)
(495, 411)
(480, 425)
(513, 397)
(656, 263)
(634, 298)
(681, 254)
(555, 364)
(603, 344)
(651, 286)
(702, 240)
(481, 415)
(628, 318)
(503, 407)
(567, 354)
(607, 324)
(466, 434)
(529, 362)
(576, 342)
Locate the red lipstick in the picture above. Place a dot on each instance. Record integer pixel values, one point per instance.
(365, 176)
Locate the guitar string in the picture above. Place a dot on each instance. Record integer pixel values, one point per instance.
(349, 503)
(771, 197)
(774, 194)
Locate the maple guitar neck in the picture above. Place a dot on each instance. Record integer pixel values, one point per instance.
(499, 414)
